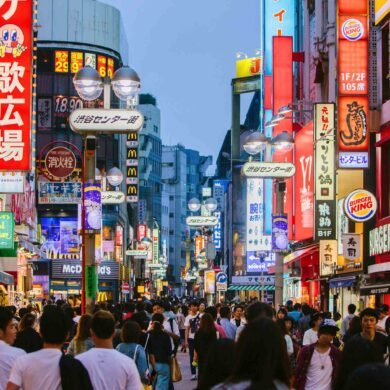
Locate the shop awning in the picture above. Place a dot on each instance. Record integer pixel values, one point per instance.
(299, 254)
(374, 289)
(343, 281)
(6, 278)
(250, 288)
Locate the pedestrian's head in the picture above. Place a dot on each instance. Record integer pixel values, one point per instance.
(260, 355)
(7, 326)
(193, 306)
(103, 325)
(141, 319)
(28, 321)
(306, 310)
(282, 326)
(289, 322)
(297, 307)
(131, 332)
(316, 320)
(355, 326)
(167, 306)
(369, 318)
(357, 352)
(327, 331)
(281, 313)
(259, 309)
(224, 312)
(383, 311)
(212, 310)
(22, 312)
(157, 321)
(351, 308)
(140, 306)
(202, 307)
(238, 311)
(218, 364)
(84, 327)
(158, 307)
(369, 376)
(336, 316)
(206, 324)
(53, 325)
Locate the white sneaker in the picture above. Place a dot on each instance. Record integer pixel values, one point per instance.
(194, 378)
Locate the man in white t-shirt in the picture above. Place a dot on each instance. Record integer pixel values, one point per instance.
(108, 368)
(41, 370)
(8, 354)
(191, 325)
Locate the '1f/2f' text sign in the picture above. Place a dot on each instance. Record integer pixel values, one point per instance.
(268, 169)
(104, 121)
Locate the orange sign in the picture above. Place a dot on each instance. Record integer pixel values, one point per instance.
(102, 66)
(354, 7)
(76, 61)
(198, 246)
(61, 61)
(110, 67)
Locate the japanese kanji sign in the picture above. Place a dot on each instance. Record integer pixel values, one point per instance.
(60, 162)
(328, 257)
(105, 121)
(325, 220)
(268, 169)
(15, 84)
(351, 246)
(353, 83)
(201, 221)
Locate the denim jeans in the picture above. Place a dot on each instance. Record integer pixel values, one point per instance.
(191, 348)
(163, 376)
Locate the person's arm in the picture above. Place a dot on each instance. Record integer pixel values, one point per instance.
(306, 338)
(142, 363)
(176, 329)
(290, 347)
(70, 350)
(15, 381)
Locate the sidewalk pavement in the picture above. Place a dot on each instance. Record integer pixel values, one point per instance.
(186, 383)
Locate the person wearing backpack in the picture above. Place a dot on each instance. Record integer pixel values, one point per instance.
(130, 336)
(191, 324)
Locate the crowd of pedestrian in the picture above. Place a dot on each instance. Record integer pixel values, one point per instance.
(230, 346)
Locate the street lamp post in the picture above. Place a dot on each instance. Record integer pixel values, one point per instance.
(254, 144)
(89, 86)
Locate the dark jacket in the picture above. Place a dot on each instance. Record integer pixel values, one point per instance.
(28, 340)
(303, 362)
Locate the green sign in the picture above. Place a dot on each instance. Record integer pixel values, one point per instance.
(91, 282)
(6, 230)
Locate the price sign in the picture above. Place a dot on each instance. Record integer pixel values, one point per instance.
(76, 61)
(61, 61)
(110, 67)
(102, 66)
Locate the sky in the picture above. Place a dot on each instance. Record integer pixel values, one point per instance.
(184, 52)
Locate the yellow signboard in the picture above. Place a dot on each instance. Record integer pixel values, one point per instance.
(248, 67)
(382, 8)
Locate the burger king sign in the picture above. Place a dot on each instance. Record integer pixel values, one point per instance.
(352, 29)
(360, 205)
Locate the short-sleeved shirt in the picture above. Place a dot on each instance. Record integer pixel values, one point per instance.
(191, 335)
(380, 341)
(38, 370)
(8, 355)
(159, 345)
(110, 369)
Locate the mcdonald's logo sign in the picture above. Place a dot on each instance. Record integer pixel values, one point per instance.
(132, 153)
(132, 189)
(132, 171)
(132, 136)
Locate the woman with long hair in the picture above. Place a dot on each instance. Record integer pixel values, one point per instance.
(354, 327)
(130, 346)
(82, 340)
(261, 360)
(204, 339)
(27, 337)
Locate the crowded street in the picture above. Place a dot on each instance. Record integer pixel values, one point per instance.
(194, 195)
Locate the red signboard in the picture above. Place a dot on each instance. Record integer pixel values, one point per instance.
(60, 162)
(282, 96)
(15, 92)
(353, 83)
(304, 183)
(141, 231)
(102, 65)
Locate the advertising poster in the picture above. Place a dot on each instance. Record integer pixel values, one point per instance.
(59, 193)
(209, 282)
(68, 237)
(93, 206)
(6, 230)
(279, 232)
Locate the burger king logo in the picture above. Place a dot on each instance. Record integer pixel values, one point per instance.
(352, 29)
(360, 205)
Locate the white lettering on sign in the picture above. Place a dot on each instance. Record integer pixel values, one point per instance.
(380, 240)
(77, 269)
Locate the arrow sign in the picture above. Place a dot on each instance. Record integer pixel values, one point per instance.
(202, 221)
(103, 121)
(268, 169)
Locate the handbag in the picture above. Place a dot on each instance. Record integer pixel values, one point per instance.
(175, 370)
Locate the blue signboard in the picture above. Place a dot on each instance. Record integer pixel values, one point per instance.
(59, 193)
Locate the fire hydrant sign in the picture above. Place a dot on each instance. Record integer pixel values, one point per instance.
(105, 121)
(15, 88)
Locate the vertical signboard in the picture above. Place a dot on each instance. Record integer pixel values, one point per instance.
(324, 172)
(6, 230)
(15, 93)
(132, 168)
(141, 231)
(279, 232)
(328, 257)
(155, 246)
(352, 259)
(209, 282)
(353, 83)
(93, 206)
(304, 183)
(254, 215)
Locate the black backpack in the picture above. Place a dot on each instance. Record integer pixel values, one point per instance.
(194, 324)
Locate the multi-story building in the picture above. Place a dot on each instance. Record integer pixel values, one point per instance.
(174, 178)
(74, 35)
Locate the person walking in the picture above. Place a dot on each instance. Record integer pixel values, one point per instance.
(204, 340)
(108, 368)
(181, 317)
(27, 337)
(317, 363)
(191, 324)
(8, 354)
(160, 351)
(130, 346)
(238, 313)
(228, 327)
(311, 335)
(347, 319)
(261, 360)
(355, 327)
(82, 341)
